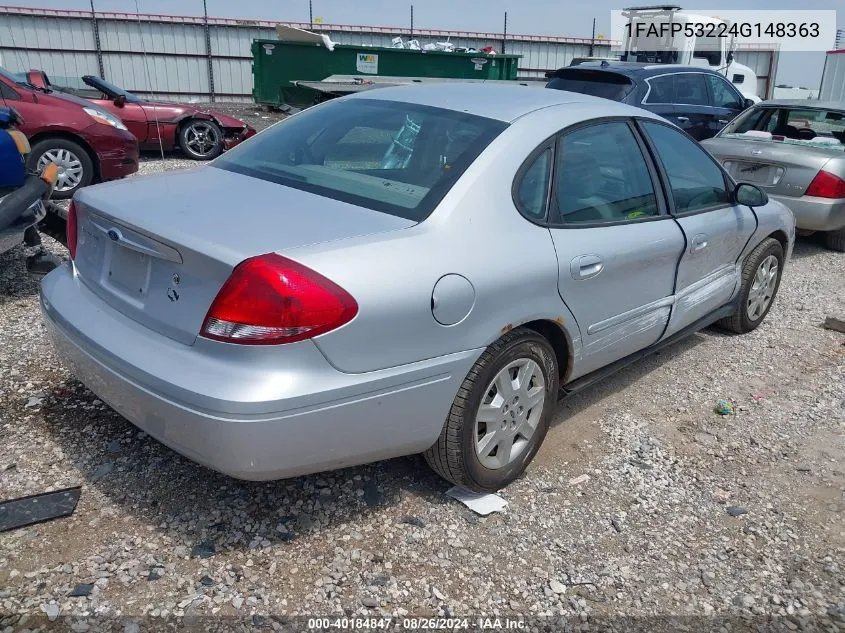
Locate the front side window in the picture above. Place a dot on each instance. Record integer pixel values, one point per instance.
(724, 95)
(394, 157)
(601, 176)
(696, 181)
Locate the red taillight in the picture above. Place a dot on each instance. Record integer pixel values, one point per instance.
(826, 185)
(70, 230)
(270, 300)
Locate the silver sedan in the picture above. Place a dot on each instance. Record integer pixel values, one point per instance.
(795, 151)
(413, 269)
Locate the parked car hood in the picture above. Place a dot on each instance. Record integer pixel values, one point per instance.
(166, 110)
(212, 210)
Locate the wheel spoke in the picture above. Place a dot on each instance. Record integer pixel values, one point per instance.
(489, 414)
(535, 397)
(487, 443)
(504, 453)
(524, 376)
(504, 384)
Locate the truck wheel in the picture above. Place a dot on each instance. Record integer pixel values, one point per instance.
(500, 415)
(75, 167)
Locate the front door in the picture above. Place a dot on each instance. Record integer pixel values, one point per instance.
(617, 249)
(726, 103)
(716, 229)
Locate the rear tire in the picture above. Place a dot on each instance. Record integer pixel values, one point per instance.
(835, 240)
(76, 170)
(514, 419)
(201, 139)
(759, 289)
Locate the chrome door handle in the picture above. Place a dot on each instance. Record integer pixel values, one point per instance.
(683, 119)
(723, 121)
(585, 266)
(699, 243)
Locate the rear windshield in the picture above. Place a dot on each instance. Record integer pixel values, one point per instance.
(596, 83)
(394, 157)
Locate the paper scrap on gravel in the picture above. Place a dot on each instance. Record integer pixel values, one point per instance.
(480, 503)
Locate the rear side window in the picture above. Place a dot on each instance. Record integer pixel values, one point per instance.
(696, 181)
(533, 187)
(681, 88)
(596, 83)
(601, 176)
(394, 157)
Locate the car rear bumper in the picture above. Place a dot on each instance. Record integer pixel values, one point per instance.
(117, 151)
(815, 214)
(254, 414)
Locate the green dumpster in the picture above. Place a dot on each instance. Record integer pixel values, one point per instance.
(276, 63)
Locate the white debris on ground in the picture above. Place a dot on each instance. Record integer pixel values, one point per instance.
(642, 501)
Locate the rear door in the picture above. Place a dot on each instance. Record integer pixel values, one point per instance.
(682, 98)
(617, 248)
(716, 229)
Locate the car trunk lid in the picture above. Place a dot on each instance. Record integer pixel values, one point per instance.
(784, 168)
(159, 248)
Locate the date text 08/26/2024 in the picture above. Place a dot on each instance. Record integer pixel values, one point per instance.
(416, 624)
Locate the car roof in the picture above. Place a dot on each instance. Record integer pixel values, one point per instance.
(805, 103)
(493, 101)
(639, 69)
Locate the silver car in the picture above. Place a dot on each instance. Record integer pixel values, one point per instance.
(795, 150)
(411, 269)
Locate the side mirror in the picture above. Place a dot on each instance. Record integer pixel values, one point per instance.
(750, 195)
(120, 101)
(747, 103)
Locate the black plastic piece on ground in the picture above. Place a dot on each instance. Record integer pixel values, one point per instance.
(17, 513)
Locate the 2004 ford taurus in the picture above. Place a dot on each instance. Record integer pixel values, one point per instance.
(410, 269)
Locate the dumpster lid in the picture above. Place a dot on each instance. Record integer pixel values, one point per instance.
(292, 34)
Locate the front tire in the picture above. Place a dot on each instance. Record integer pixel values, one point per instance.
(76, 170)
(201, 139)
(761, 275)
(500, 415)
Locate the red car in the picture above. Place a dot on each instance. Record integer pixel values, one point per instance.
(87, 143)
(200, 134)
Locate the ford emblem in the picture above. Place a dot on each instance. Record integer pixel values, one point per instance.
(113, 235)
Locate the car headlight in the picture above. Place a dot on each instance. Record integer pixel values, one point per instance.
(106, 118)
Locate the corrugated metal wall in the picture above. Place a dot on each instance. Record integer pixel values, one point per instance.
(833, 77)
(165, 56)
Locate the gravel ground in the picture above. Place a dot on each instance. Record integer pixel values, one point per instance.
(627, 510)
